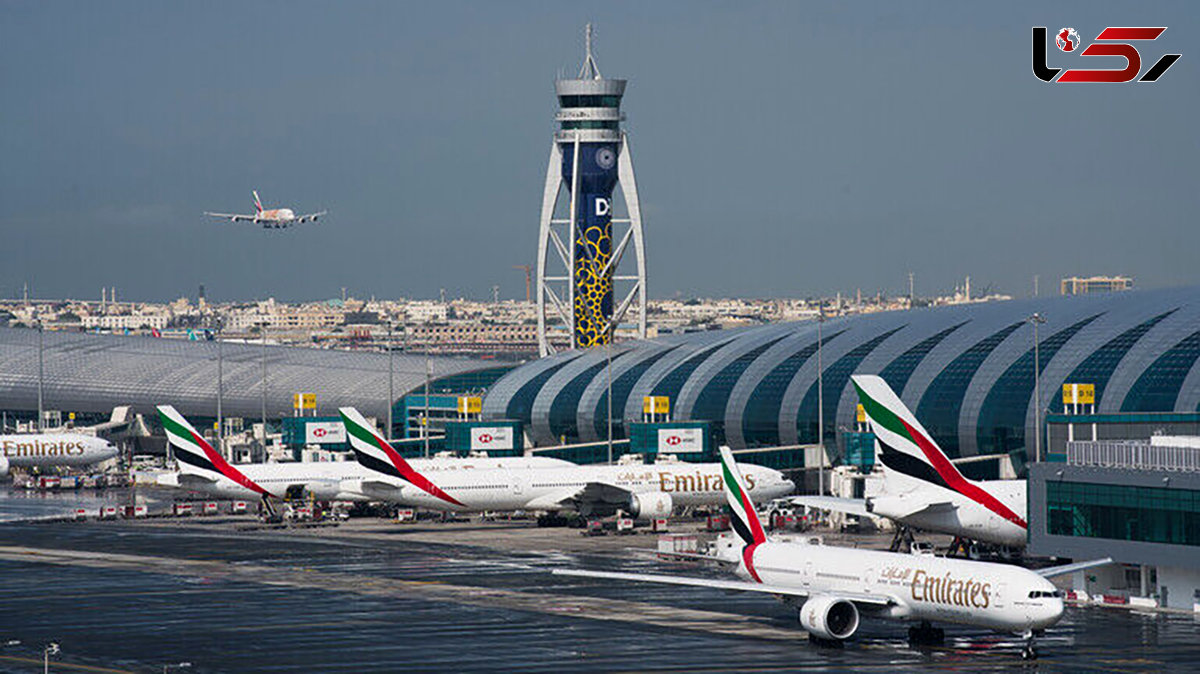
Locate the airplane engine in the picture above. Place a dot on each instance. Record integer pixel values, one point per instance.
(650, 505)
(3, 466)
(829, 617)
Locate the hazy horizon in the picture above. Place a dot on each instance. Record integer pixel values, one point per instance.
(782, 149)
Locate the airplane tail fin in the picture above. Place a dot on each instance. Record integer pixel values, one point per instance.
(743, 518)
(903, 447)
(192, 451)
(257, 201)
(374, 452)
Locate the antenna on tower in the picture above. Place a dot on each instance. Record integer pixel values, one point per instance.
(589, 70)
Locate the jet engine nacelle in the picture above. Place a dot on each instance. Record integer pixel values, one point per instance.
(650, 505)
(829, 617)
(3, 466)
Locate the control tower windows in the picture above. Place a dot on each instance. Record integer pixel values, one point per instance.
(589, 101)
(567, 126)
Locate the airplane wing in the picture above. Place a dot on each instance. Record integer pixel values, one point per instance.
(740, 585)
(853, 506)
(233, 217)
(310, 217)
(1052, 571)
(595, 493)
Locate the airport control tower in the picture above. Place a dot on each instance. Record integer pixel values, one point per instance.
(578, 282)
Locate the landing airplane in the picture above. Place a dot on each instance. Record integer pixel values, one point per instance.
(45, 450)
(832, 586)
(203, 469)
(921, 487)
(644, 492)
(275, 218)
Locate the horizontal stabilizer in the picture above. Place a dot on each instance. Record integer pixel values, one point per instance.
(1053, 571)
(852, 506)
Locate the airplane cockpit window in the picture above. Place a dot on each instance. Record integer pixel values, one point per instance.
(1039, 594)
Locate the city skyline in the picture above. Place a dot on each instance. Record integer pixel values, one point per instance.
(425, 133)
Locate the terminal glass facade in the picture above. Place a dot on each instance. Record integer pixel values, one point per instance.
(1122, 512)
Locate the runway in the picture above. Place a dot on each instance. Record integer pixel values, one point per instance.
(133, 596)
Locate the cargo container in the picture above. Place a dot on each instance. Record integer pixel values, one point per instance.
(239, 508)
(108, 512)
(183, 509)
(135, 511)
(209, 508)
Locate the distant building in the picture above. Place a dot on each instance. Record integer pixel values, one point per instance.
(1076, 285)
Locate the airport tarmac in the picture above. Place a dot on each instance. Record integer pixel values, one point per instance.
(374, 595)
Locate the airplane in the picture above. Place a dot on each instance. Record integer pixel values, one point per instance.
(922, 488)
(644, 492)
(275, 218)
(203, 469)
(832, 587)
(44, 450)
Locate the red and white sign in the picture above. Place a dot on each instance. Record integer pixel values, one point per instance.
(680, 440)
(324, 431)
(492, 437)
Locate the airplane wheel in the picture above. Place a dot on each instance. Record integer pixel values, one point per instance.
(1030, 653)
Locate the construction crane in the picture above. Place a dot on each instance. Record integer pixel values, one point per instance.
(528, 269)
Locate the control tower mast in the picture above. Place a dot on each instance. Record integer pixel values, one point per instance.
(577, 263)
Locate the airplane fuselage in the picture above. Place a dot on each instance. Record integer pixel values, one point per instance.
(677, 484)
(330, 480)
(54, 449)
(966, 517)
(999, 597)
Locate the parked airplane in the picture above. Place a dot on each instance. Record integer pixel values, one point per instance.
(922, 488)
(44, 450)
(274, 218)
(642, 491)
(832, 586)
(202, 468)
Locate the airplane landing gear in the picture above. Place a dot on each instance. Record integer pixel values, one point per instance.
(926, 634)
(903, 539)
(1030, 650)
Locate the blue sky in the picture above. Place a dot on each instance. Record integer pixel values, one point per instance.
(782, 149)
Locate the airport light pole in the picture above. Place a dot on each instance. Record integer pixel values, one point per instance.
(820, 402)
(264, 385)
(50, 649)
(608, 358)
(220, 394)
(41, 375)
(391, 382)
(1037, 319)
(428, 375)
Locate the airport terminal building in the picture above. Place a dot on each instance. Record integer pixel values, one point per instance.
(967, 371)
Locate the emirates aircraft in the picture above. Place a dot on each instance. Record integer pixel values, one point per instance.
(642, 491)
(274, 218)
(203, 469)
(46, 450)
(922, 489)
(831, 587)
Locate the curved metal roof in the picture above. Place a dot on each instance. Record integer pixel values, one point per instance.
(967, 368)
(86, 372)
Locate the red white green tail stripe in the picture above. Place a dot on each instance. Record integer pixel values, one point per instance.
(374, 452)
(195, 455)
(743, 518)
(906, 447)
